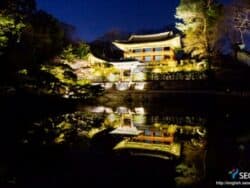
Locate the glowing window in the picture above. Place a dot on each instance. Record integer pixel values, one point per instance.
(148, 133)
(158, 57)
(148, 49)
(148, 58)
(158, 133)
(137, 50)
(159, 49)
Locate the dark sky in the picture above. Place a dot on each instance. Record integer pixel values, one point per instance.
(92, 18)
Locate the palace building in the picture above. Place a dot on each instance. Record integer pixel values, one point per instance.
(140, 54)
(151, 47)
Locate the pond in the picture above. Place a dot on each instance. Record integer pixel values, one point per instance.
(54, 144)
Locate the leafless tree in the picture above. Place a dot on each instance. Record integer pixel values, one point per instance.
(238, 15)
(241, 20)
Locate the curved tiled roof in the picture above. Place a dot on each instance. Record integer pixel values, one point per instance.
(149, 37)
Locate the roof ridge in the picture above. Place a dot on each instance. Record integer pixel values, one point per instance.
(170, 33)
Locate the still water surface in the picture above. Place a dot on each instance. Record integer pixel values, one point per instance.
(157, 144)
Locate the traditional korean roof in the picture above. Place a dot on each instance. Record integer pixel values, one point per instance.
(150, 41)
(149, 37)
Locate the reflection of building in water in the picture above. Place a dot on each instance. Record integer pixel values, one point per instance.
(126, 126)
(156, 149)
(181, 137)
(152, 141)
(154, 135)
(155, 140)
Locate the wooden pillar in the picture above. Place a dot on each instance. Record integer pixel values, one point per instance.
(121, 75)
(131, 76)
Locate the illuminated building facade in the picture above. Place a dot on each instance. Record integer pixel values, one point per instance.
(141, 55)
(151, 141)
(150, 48)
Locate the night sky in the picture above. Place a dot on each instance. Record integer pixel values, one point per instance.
(92, 18)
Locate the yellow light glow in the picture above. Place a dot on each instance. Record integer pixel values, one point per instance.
(156, 70)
